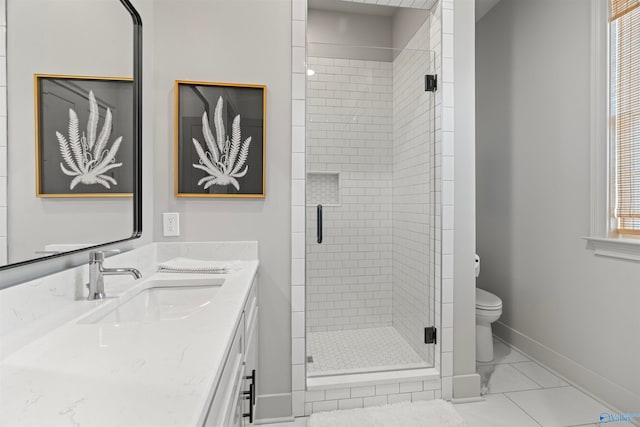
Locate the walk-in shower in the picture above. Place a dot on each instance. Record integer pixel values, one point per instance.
(372, 208)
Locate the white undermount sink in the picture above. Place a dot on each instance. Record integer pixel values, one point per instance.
(162, 300)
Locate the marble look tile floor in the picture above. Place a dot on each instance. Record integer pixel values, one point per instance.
(521, 393)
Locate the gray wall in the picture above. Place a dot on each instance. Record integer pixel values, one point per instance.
(533, 200)
(466, 383)
(42, 38)
(362, 30)
(352, 30)
(247, 41)
(405, 23)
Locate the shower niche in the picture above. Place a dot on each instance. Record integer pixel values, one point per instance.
(323, 188)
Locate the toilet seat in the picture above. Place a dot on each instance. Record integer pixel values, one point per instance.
(487, 301)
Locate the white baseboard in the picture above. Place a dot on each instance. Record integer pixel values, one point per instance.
(466, 387)
(595, 385)
(456, 401)
(272, 408)
(274, 421)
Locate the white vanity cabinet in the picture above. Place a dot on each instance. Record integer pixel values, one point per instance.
(234, 400)
(250, 356)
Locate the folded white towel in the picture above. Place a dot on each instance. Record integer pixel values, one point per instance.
(186, 265)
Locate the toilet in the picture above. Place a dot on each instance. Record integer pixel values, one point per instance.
(488, 310)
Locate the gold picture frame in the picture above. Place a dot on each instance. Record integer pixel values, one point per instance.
(65, 165)
(219, 139)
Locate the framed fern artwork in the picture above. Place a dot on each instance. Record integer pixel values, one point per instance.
(219, 139)
(84, 136)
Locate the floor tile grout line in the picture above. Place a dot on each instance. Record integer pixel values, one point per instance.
(556, 386)
(524, 373)
(551, 388)
(587, 424)
(540, 386)
(522, 409)
(541, 366)
(500, 363)
(557, 374)
(536, 389)
(516, 391)
(568, 385)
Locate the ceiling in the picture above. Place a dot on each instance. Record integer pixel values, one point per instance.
(384, 8)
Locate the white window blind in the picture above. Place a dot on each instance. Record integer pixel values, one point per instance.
(622, 7)
(625, 107)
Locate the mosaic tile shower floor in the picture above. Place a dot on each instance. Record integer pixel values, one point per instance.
(359, 350)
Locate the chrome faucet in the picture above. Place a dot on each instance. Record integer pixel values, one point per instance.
(97, 272)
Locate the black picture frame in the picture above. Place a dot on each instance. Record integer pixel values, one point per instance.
(220, 139)
(97, 160)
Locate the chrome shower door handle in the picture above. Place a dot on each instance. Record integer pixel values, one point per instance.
(319, 220)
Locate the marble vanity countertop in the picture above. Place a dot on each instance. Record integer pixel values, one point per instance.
(160, 373)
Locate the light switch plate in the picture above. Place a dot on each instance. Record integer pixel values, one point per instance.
(171, 224)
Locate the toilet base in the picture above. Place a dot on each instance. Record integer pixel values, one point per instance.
(484, 343)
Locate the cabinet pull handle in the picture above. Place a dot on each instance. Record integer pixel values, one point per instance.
(251, 397)
(252, 377)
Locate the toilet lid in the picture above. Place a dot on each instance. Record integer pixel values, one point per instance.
(487, 300)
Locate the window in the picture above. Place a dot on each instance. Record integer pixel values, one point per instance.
(624, 98)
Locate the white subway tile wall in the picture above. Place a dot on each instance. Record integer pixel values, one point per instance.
(444, 47)
(350, 131)
(3, 133)
(413, 192)
(298, 96)
(358, 397)
(421, 217)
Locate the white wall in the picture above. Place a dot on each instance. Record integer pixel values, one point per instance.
(533, 201)
(245, 41)
(349, 131)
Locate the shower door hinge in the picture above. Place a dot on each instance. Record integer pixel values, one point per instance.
(430, 335)
(430, 82)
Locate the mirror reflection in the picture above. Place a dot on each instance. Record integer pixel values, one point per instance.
(69, 134)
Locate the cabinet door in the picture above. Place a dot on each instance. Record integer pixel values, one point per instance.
(225, 397)
(237, 416)
(251, 349)
(251, 358)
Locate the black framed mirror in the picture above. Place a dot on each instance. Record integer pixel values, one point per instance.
(74, 132)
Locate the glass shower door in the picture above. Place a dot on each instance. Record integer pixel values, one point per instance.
(370, 209)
